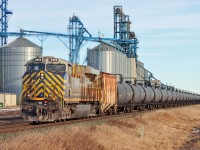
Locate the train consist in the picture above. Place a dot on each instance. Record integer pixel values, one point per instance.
(55, 89)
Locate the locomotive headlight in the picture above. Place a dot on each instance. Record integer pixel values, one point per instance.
(50, 95)
(41, 76)
(28, 95)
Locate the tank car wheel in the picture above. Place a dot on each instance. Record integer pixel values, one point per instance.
(125, 110)
(141, 108)
(138, 108)
(110, 112)
(128, 110)
(115, 112)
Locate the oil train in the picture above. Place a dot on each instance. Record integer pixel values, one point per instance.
(55, 89)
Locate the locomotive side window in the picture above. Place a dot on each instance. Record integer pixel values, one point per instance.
(35, 67)
(56, 67)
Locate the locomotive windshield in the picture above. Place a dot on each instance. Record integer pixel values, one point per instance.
(35, 67)
(56, 67)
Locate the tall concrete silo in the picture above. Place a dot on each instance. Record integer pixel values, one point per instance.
(13, 58)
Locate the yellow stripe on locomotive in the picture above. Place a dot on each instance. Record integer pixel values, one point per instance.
(41, 82)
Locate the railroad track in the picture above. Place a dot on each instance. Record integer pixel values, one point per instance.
(27, 126)
(14, 128)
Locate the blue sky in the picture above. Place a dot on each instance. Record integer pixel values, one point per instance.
(168, 31)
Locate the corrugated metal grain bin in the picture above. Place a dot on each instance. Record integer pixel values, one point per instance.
(13, 58)
(107, 58)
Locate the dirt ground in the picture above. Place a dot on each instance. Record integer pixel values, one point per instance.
(170, 129)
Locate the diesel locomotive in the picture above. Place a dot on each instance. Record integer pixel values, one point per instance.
(55, 89)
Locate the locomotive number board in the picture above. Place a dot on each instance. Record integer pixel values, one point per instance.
(53, 59)
(38, 59)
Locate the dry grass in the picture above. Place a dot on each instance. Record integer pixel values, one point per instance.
(160, 130)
